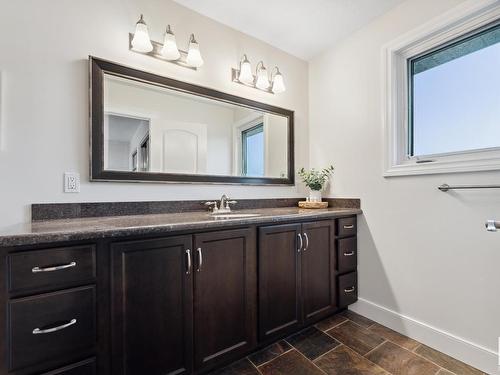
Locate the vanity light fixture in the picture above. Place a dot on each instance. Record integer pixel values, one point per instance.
(278, 83)
(246, 75)
(168, 51)
(194, 56)
(141, 42)
(260, 81)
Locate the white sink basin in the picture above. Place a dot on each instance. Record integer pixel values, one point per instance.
(234, 216)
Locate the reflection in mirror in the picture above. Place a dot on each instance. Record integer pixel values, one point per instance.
(149, 128)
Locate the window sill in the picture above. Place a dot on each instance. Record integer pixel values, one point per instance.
(443, 166)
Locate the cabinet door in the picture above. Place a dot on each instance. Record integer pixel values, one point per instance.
(318, 269)
(224, 296)
(152, 308)
(279, 280)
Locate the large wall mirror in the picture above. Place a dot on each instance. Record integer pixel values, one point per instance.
(147, 127)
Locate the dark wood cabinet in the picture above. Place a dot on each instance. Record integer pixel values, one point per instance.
(279, 280)
(87, 367)
(182, 304)
(225, 294)
(152, 290)
(318, 270)
(166, 291)
(296, 274)
(51, 326)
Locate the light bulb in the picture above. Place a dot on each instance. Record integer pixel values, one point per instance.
(194, 58)
(169, 50)
(278, 83)
(140, 41)
(246, 75)
(262, 79)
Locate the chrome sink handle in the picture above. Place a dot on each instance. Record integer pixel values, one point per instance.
(212, 205)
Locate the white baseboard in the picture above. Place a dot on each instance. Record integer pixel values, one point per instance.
(476, 355)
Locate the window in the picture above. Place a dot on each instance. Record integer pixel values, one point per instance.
(455, 96)
(253, 151)
(442, 95)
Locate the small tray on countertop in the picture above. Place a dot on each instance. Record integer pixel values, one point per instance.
(305, 204)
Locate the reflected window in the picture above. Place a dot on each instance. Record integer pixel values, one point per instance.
(253, 151)
(145, 154)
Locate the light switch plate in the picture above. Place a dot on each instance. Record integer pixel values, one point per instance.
(71, 182)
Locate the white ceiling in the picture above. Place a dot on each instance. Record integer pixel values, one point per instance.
(303, 28)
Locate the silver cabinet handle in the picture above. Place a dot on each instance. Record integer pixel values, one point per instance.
(38, 331)
(200, 259)
(301, 243)
(54, 268)
(349, 254)
(307, 241)
(350, 290)
(188, 252)
(349, 226)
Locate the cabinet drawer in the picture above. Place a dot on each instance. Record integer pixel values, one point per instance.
(346, 226)
(51, 326)
(49, 269)
(86, 367)
(347, 255)
(348, 289)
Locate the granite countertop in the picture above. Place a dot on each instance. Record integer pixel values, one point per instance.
(39, 232)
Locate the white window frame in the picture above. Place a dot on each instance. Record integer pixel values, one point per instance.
(469, 16)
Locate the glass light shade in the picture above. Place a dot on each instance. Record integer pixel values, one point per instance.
(278, 84)
(194, 56)
(169, 50)
(262, 80)
(140, 41)
(246, 75)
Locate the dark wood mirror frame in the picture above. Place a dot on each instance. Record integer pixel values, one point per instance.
(99, 67)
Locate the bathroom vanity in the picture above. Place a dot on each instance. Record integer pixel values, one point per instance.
(166, 287)
(169, 293)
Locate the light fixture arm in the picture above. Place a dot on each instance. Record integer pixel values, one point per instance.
(275, 72)
(244, 59)
(257, 67)
(141, 20)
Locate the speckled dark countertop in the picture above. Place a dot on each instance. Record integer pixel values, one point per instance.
(119, 226)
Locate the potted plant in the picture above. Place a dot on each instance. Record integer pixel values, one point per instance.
(316, 180)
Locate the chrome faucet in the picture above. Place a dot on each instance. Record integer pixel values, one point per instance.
(224, 205)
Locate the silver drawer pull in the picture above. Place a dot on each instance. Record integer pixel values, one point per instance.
(349, 226)
(349, 254)
(54, 268)
(350, 290)
(301, 242)
(38, 331)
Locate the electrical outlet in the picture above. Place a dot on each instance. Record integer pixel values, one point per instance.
(71, 182)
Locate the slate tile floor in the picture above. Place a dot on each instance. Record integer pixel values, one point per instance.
(348, 344)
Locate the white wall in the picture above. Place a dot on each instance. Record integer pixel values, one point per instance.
(45, 45)
(423, 253)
